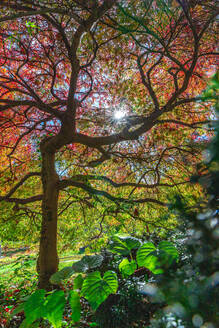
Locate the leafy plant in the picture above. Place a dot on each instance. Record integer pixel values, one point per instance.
(123, 244)
(127, 267)
(78, 282)
(156, 258)
(61, 275)
(39, 306)
(87, 263)
(96, 289)
(74, 301)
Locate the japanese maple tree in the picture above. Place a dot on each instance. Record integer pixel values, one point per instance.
(107, 89)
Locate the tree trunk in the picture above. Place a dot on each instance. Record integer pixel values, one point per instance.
(47, 263)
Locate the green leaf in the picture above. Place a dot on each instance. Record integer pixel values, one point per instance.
(168, 254)
(54, 308)
(34, 306)
(87, 262)
(145, 250)
(127, 268)
(96, 289)
(123, 244)
(156, 259)
(78, 282)
(147, 257)
(18, 309)
(74, 301)
(65, 273)
(25, 324)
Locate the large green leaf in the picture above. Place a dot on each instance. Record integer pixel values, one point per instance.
(54, 308)
(34, 307)
(168, 253)
(63, 274)
(144, 251)
(123, 244)
(87, 262)
(156, 259)
(147, 256)
(74, 301)
(78, 282)
(127, 268)
(38, 306)
(96, 289)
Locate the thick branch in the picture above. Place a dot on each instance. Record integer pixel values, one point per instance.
(124, 184)
(68, 182)
(46, 108)
(124, 135)
(32, 199)
(18, 185)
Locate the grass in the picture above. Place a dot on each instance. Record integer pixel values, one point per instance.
(22, 266)
(18, 279)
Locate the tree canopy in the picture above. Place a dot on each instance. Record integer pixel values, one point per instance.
(101, 97)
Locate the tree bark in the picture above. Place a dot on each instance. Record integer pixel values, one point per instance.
(47, 263)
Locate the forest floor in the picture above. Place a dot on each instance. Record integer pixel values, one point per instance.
(18, 278)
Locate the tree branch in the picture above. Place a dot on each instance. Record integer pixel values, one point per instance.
(18, 185)
(95, 192)
(32, 199)
(124, 184)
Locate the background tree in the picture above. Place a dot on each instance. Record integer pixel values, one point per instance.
(104, 94)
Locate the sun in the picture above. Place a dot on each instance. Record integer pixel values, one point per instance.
(119, 114)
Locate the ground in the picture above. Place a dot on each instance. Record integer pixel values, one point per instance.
(18, 278)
